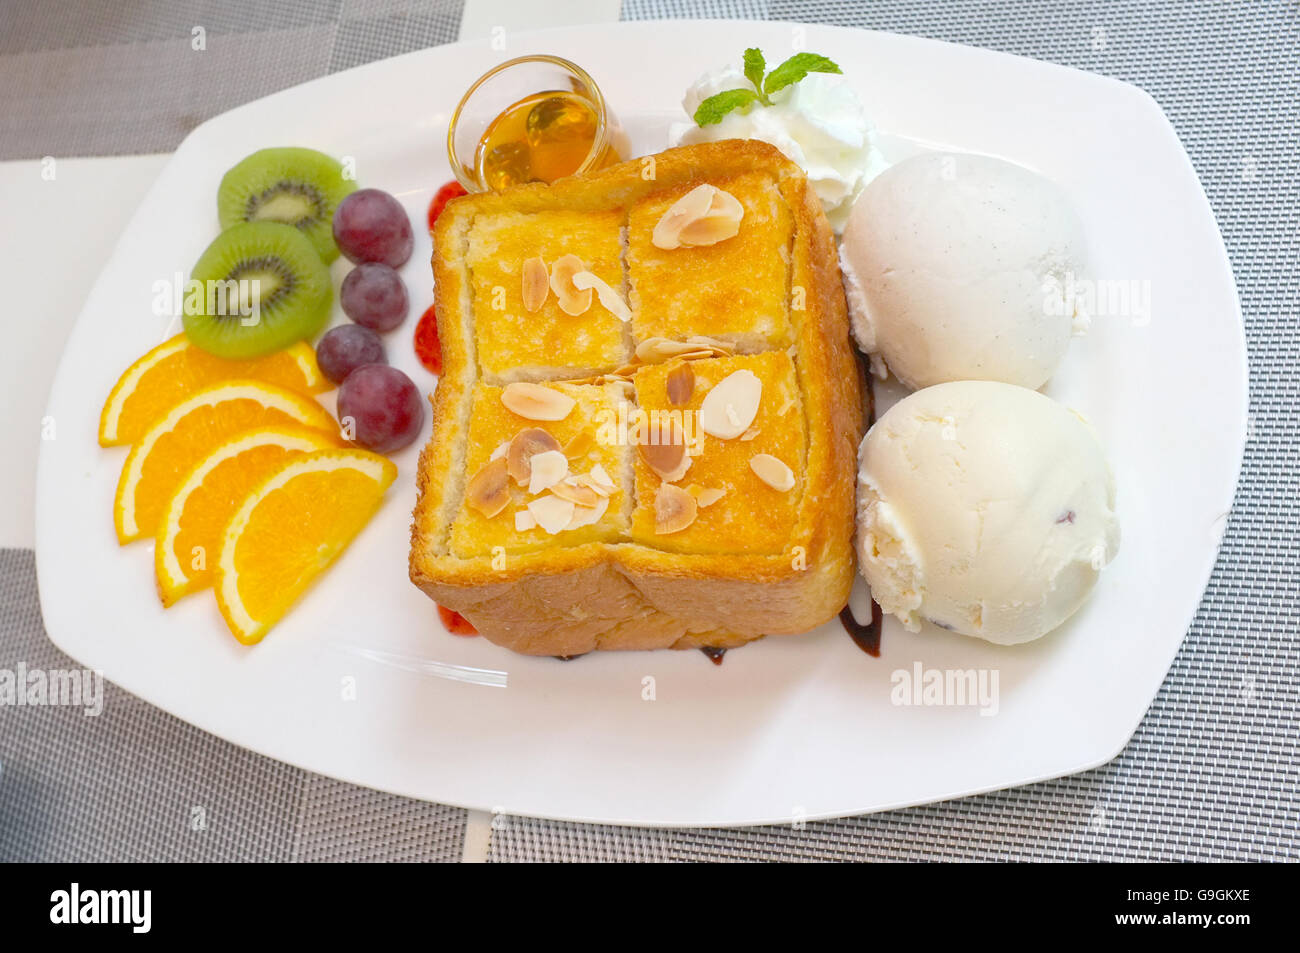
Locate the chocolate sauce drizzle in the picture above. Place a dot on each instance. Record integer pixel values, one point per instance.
(714, 655)
(866, 637)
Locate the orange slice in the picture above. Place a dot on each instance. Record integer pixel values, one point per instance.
(189, 534)
(289, 529)
(176, 368)
(190, 431)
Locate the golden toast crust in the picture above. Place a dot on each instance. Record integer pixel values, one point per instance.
(567, 600)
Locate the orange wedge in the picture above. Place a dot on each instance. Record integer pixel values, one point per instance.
(289, 529)
(189, 534)
(176, 368)
(188, 432)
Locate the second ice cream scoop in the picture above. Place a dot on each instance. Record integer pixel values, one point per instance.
(984, 508)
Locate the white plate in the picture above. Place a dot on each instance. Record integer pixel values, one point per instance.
(787, 728)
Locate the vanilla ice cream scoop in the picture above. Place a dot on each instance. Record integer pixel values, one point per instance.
(956, 267)
(985, 508)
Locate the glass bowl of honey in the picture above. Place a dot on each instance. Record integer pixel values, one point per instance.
(531, 119)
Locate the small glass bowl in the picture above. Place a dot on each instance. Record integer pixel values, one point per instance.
(501, 87)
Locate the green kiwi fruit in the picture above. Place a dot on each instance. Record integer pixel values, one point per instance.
(267, 264)
(299, 187)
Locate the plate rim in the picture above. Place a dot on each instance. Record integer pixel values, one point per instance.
(43, 552)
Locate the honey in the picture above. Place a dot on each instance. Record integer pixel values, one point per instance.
(541, 138)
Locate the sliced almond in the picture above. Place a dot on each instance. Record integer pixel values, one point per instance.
(772, 471)
(546, 469)
(488, 491)
(709, 496)
(658, 350)
(621, 389)
(685, 210)
(696, 354)
(587, 515)
(601, 479)
(551, 513)
(526, 445)
(501, 450)
(536, 284)
(680, 384)
(705, 496)
(677, 473)
(750, 434)
(524, 521)
(624, 372)
(705, 215)
(665, 451)
(586, 480)
(579, 445)
(731, 406)
(535, 402)
(720, 222)
(708, 231)
(610, 299)
(572, 300)
(576, 493)
(675, 509)
(719, 348)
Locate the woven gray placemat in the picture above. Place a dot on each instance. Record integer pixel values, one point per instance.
(1212, 771)
(133, 783)
(96, 77)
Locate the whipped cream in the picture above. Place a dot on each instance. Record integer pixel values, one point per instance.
(818, 123)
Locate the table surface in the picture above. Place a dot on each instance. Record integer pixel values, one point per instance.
(1211, 773)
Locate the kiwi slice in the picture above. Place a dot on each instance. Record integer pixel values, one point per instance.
(299, 187)
(256, 289)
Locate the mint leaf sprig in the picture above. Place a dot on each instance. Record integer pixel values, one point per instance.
(787, 74)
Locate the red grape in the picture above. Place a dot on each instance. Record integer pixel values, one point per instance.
(384, 406)
(374, 295)
(371, 225)
(345, 348)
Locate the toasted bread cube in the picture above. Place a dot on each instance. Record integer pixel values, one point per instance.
(761, 560)
(736, 290)
(515, 344)
(493, 426)
(751, 516)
